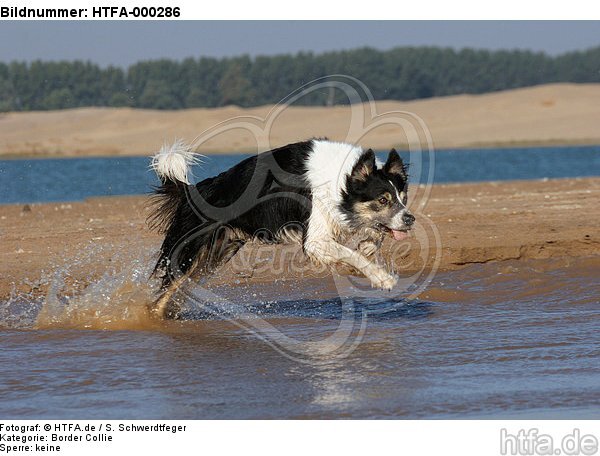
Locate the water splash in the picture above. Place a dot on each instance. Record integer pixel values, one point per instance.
(102, 287)
(107, 287)
(19, 311)
(116, 299)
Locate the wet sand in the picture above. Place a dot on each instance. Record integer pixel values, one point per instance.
(552, 114)
(475, 223)
(506, 329)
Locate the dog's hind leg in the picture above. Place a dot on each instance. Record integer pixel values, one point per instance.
(225, 244)
(165, 307)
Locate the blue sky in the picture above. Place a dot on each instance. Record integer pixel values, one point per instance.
(123, 43)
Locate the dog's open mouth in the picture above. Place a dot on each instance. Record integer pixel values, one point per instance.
(398, 235)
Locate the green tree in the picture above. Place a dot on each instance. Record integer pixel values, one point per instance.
(402, 73)
(8, 100)
(196, 98)
(235, 88)
(59, 99)
(157, 95)
(119, 99)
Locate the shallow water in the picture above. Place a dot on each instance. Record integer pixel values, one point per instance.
(513, 339)
(69, 179)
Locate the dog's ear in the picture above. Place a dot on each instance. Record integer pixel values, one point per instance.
(364, 167)
(395, 165)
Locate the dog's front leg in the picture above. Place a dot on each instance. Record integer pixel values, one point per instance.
(371, 244)
(330, 252)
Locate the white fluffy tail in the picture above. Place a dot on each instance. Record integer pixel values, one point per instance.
(174, 162)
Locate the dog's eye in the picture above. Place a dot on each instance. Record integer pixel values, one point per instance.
(383, 200)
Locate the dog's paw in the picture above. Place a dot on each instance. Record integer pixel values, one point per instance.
(368, 247)
(383, 280)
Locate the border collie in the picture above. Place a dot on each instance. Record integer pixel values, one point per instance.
(318, 193)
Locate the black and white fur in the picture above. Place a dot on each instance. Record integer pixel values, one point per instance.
(318, 193)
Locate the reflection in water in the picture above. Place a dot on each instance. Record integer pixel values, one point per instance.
(331, 309)
(497, 340)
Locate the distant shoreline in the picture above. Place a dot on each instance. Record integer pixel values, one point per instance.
(528, 145)
(546, 115)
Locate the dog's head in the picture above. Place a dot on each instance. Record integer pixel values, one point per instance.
(376, 198)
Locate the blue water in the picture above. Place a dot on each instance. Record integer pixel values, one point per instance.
(496, 349)
(68, 179)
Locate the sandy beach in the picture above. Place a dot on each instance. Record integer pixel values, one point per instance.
(554, 114)
(476, 223)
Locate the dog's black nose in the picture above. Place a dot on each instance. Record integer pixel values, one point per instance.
(408, 218)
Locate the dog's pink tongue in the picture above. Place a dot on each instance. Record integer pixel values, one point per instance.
(399, 235)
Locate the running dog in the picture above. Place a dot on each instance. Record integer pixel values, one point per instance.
(318, 193)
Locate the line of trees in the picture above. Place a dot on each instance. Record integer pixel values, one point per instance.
(398, 74)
